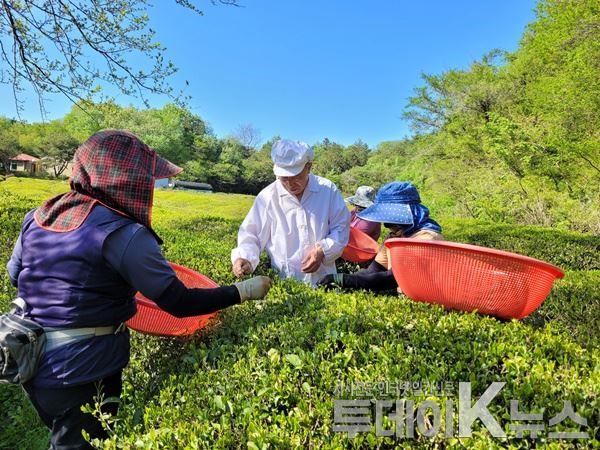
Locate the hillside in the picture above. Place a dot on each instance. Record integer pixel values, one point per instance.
(266, 374)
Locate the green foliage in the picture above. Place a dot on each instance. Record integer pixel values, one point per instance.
(20, 427)
(264, 373)
(574, 303)
(9, 143)
(333, 159)
(58, 146)
(51, 141)
(76, 49)
(258, 169)
(514, 137)
(568, 250)
(171, 130)
(183, 138)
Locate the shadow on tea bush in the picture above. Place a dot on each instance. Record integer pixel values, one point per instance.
(267, 371)
(574, 303)
(567, 250)
(264, 373)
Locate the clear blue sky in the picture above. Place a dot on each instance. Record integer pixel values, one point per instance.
(308, 69)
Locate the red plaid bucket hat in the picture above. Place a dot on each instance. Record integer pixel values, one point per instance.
(113, 168)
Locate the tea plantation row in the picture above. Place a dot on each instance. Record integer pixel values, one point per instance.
(265, 375)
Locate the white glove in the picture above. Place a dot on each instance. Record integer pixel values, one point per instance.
(255, 287)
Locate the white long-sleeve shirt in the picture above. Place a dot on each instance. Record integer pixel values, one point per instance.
(288, 228)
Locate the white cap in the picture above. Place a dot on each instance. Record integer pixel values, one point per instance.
(290, 157)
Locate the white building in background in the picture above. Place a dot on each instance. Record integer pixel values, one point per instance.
(25, 163)
(186, 185)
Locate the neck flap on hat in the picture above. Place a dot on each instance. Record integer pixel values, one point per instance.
(113, 168)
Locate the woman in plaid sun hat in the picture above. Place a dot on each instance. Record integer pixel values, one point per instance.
(77, 264)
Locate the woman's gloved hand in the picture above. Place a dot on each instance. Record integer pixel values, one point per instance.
(331, 281)
(254, 288)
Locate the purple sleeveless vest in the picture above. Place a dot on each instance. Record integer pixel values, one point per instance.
(66, 283)
(65, 280)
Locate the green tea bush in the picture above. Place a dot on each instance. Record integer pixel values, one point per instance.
(575, 304)
(38, 176)
(20, 426)
(568, 250)
(265, 374)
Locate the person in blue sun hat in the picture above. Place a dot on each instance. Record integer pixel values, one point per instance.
(398, 206)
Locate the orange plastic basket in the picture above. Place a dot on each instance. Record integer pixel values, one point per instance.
(361, 247)
(150, 319)
(467, 277)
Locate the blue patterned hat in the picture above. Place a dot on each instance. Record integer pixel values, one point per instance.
(392, 204)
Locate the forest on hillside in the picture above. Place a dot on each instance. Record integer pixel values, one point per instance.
(513, 138)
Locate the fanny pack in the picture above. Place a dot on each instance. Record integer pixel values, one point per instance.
(23, 342)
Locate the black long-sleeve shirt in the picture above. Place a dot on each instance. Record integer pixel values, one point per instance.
(132, 251)
(136, 256)
(374, 278)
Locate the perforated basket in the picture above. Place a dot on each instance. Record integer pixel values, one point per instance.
(150, 319)
(361, 247)
(468, 277)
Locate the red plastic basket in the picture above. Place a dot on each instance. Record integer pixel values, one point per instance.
(467, 277)
(361, 247)
(150, 319)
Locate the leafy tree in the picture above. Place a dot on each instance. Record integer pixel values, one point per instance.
(171, 130)
(356, 154)
(258, 169)
(9, 144)
(58, 146)
(73, 47)
(207, 148)
(460, 102)
(558, 105)
(333, 159)
(30, 136)
(197, 170)
(227, 173)
(514, 136)
(86, 118)
(329, 158)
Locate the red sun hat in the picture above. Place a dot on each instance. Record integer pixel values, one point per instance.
(113, 168)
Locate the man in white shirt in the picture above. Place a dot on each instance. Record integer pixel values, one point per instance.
(300, 219)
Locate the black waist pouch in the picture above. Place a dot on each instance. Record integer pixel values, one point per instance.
(22, 343)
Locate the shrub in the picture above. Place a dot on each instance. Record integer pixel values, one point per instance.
(574, 303)
(568, 250)
(264, 374)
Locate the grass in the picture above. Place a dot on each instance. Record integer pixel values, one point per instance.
(264, 375)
